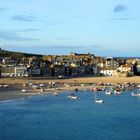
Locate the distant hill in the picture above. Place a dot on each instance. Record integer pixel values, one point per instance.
(5, 53)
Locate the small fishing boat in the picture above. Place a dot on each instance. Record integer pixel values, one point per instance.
(76, 89)
(117, 92)
(99, 101)
(108, 92)
(55, 94)
(99, 89)
(72, 96)
(135, 94)
(41, 85)
(5, 86)
(23, 90)
(35, 86)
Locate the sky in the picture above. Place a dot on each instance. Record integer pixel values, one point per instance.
(100, 27)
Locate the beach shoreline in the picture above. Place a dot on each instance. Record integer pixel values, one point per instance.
(8, 94)
(62, 85)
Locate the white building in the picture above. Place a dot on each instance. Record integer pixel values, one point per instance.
(108, 71)
(138, 68)
(110, 62)
(126, 68)
(20, 71)
(13, 71)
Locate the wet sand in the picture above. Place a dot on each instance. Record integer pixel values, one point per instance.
(8, 94)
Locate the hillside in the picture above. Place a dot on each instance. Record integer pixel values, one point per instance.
(5, 53)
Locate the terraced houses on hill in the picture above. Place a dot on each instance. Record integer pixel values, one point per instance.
(65, 66)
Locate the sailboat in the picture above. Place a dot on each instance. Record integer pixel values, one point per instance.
(98, 101)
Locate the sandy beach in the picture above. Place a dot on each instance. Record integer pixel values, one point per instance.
(14, 91)
(134, 79)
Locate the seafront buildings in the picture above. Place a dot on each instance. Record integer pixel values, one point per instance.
(66, 66)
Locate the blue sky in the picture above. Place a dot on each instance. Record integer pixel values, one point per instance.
(102, 27)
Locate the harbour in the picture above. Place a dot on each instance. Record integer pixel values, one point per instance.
(57, 117)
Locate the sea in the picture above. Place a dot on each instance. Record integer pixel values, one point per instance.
(48, 117)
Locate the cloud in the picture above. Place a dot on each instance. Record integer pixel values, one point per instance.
(122, 18)
(28, 18)
(2, 9)
(9, 35)
(119, 8)
(28, 30)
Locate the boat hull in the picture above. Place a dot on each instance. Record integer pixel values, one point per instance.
(99, 101)
(135, 94)
(73, 97)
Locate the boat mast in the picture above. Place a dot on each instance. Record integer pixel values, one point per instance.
(94, 90)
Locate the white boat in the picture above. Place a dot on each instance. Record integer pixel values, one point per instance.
(99, 101)
(108, 92)
(55, 93)
(23, 90)
(135, 94)
(35, 86)
(5, 86)
(41, 85)
(117, 92)
(72, 96)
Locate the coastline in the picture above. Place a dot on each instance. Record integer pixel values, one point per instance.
(7, 94)
(62, 85)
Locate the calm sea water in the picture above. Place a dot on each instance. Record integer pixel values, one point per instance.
(48, 117)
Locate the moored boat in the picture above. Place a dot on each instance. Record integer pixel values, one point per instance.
(76, 89)
(99, 101)
(23, 90)
(118, 92)
(55, 94)
(135, 94)
(108, 92)
(72, 96)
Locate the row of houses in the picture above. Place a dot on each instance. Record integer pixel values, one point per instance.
(13, 70)
(68, 66)
(54, 70)
(61, 71)
(123, 70)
